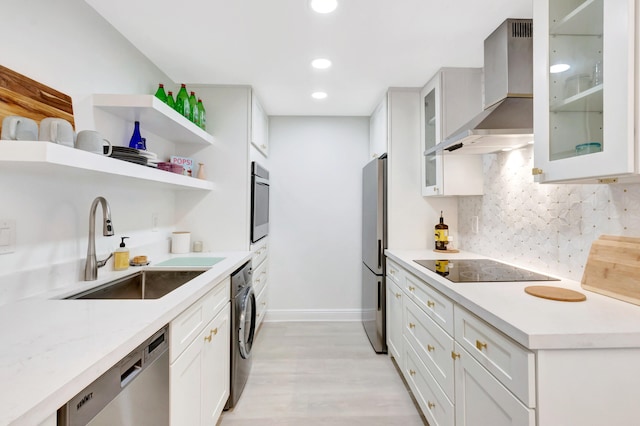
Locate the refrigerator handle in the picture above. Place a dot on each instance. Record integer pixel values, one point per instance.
(379, 253)
(379, 299)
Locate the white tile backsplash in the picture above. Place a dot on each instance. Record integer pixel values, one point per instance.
(549, 227)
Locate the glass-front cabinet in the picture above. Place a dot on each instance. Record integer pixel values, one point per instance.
(583, 70)
(452, 97)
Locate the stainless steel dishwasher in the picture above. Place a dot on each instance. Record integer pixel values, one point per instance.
(135, 391)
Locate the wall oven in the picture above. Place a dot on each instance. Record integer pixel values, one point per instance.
(259, 202)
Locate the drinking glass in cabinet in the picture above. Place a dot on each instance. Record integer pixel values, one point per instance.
(575, 78)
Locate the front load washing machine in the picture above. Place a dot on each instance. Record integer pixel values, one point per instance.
(243, 327)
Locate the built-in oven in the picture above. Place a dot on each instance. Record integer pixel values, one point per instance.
(259, 202)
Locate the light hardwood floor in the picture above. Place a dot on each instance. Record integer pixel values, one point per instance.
(321, 373)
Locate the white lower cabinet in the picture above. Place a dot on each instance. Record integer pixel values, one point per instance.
(461, 370)
(260, 265)
(481, 400)
(432, 344)
(200, 359)
(395, 298)
(199, 378)
(434, 403)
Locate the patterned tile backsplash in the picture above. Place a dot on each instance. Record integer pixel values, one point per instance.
(548, 227)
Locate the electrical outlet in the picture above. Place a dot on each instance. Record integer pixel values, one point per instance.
(154, 222)
(7, 236)
(475, 226)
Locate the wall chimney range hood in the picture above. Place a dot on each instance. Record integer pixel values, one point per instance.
(507, 119)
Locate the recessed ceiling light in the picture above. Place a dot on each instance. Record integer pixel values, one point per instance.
(554, 69)
(321, 63)
(324, 6)
(319, 95)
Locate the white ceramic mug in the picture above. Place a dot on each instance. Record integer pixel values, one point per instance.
(18, 128)
(92, 141)
(57, 130)
(180, 242)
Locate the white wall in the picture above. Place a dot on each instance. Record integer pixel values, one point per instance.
(67, 46)
(315, 255)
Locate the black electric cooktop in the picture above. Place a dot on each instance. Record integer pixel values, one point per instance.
(480, 270)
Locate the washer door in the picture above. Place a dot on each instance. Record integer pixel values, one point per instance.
(247, 323)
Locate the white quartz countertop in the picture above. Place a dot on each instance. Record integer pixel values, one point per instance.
(536, 323)
(51, 349)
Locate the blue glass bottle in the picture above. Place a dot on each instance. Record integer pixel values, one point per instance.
(136, 138)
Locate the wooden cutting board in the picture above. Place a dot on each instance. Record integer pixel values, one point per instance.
(20, 95)
(613, 268)
(555, 293)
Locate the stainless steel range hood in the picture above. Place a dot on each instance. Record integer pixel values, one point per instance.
(507, 119)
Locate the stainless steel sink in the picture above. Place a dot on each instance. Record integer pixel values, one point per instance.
(143, 285)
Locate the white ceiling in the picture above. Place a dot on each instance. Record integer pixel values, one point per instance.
(269, 44)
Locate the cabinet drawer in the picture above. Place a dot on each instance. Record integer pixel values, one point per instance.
(437, 306)
(435, 405)
(261, 306)
(186, 326)
(510, 363)
(482, 400)
(431, 344)
(259, 276)
(394, 272)
(259, 251)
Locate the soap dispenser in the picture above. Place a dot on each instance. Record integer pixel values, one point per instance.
(121, 257)
(442, 235)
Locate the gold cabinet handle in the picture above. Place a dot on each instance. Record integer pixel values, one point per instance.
(480, 345)
(430, 348)
(411, 372)
(431, 304)
(398, 295)
(536, 171)
(215, 331)
(207, 338)
(257, 280)
(392, 271)
(411, 288)
(412, 325)
(455, 355)
(431, 405)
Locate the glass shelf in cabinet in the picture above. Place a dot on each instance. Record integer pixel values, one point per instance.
(586, 19)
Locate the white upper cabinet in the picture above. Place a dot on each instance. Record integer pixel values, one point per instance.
(451, 98)
(259, 126)
(584, 90)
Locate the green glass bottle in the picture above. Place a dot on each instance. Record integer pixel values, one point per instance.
(203, 115)
(182, 101)
(160, 93)
(194, 114)
(170, 100)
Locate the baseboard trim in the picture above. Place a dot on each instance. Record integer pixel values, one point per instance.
(284, 315)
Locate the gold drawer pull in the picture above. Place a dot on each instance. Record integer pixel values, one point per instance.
(257, 280)
(430, 348)
(455, 355)
(207, 338)
(411, 372)
(412, 325)
(480, 345)
(411, 288)
(398, 295)
(431, 304)
(215, 331)
(431, 405)
(392, 271)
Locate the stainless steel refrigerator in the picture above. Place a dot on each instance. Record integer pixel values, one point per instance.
(374, 241)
